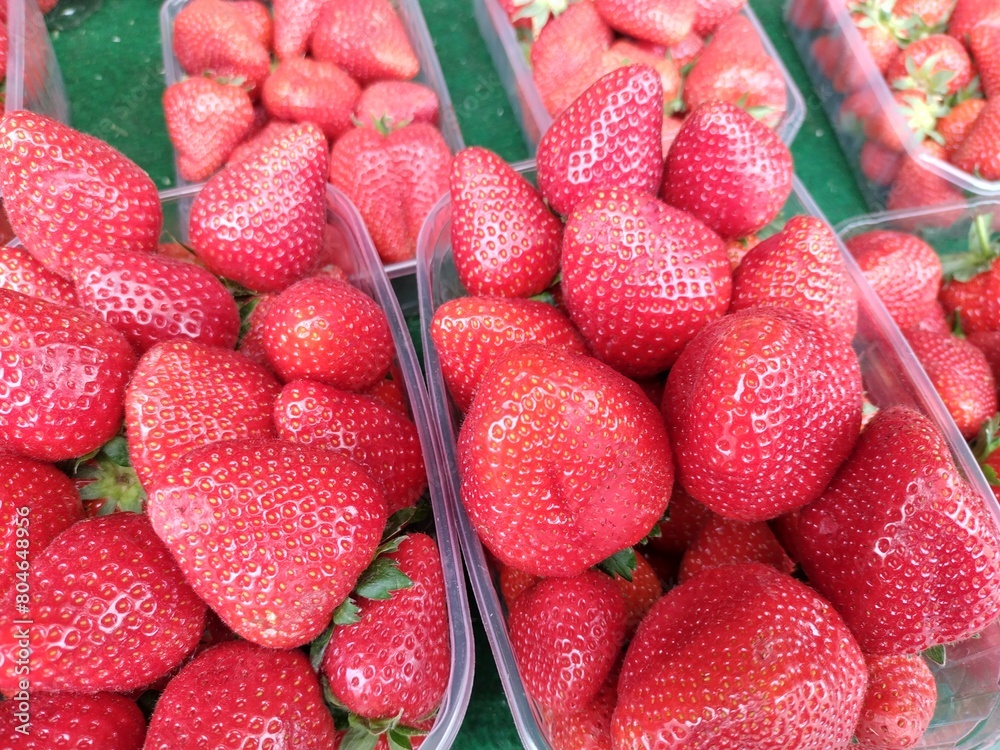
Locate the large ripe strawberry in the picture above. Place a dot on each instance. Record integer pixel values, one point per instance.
(260, 221)
(972, 280)
(663, 22)
(237, 695)
(721, 541)
(471, 333)
(563, 461)
(565, 634)
(185, 394)
(740, 656)
(899, 703)
(711, 14)
(899, 542)
(728, 170)
(20, 271)
(751, 463)
(505, 241)
(397, 103)
(979, 153)
(63, 372)
(294, 21)
(585, 148)
(315, 518)
(304, 90)
(365, 38)
(66, 192)
(73, 722)
(395, 660)
(638, 297)
(117, 618)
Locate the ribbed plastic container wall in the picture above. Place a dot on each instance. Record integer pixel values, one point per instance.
(33, 78)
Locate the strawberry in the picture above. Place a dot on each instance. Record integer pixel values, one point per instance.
(514, 582)
(582, 151)
(63, 373)
(397, 103)
(294, 21)
(972, 280)
(638, 298)
(471, 333)
(640, 593)
(903, 586)
(920, 113)
(326, 330)
(878, 34)
(400, 644)
(184, 394)
(389, 392)
(776, 668)
(752, 465)
(258, 19)
(623, 53)
(933, 319)
(152, 298)
(988, 342)
(728, 170)
(73, 722)
(711, 14)
(533, 14)
(721, 541)
(537, 501)
(899, 703)
(663, 22)
(205, 122)
(66, 192)
(269, 135)
(302, 568)
(117, 619)
(505, 241)
(565, 634)
(235, 693)
(917, 186)
(20, 271)
(799, 268)
(304, 90)
(935, 64)
(685, 516)
(671, 127)
(588, 728)
(930, 13)
(955, 126)
(260, 221)
(979, 153)
(686, 51)
(366, 39)
(970, 13)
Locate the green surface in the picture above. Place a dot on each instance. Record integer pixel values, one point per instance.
(109, 52)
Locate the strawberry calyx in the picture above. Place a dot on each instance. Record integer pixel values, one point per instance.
(619, 565)
(926, 77)
(107, 481)
(985, 444)
(538, 12)
(936, 654)
(922, 114)
(363, 734)
(984, 248)
(757, 112)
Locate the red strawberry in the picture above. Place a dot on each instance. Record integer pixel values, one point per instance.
(532, 14)
(899, 703)
(73, 722)
(396, 659)
(258, 19)
(235, 693)
(933, 319)
(776, 668)
(294, 21)
(879, 35)
(315, 517)
(685, 516)
(750, 464)
(930, 12)
(799, 268)
(979, 153)
(972, 286)
(269, 135)
(623, 53)
(505, 241)
(397, 103)
(639, 297)
(724, 542)
(970, 13)
(639, 594)
(304, 90)
(686, 51)
(565, 634)
(20, 271)
(903, 547)
(988, 342)
(935, 64)
(66, 192)
(152, 298)
(588, 728)
(540, 503)
(955, 126)
(671, 127)
(185, 394)
(514, 582)
(917, 186)
(326, 330)
(117, 619)
(664, 22)
(365, 38)
(260, 221)
(728, 170)
(389, 392)
(63, 373)
(711, 14)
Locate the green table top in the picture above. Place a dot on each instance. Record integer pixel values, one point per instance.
(109, 52)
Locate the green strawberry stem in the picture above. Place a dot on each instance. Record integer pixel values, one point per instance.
(983, 250)
(621, 564)
(112, 479)
(985, 444)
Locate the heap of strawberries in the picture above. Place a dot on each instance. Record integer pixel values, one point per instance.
(343, 65)
(652, 393)
(194, 514)
(703, 50)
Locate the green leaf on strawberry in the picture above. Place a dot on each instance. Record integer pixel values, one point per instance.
(112, 479)
(317, 649)
(382, 578)
(987, 442)
(983, 250)
(346, 613)
(936, 654)
(621, 564)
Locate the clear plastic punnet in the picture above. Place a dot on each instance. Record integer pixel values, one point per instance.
(33, 79)
(510, 58)
(859, 101)
(966, 717)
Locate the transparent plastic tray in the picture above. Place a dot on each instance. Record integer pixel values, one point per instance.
(34, 81)
(859, 77)
(967, 685)
(510, 58)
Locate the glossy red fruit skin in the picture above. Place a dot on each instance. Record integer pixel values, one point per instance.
(976, 300)
(63, 373)
(397, 659)
(326, 330)
(316, 519)
(505, 241)
(66, 192)
(365, 38)
(224, 698)
(639, 594)
(611, 137)
(305, 90)
(899, 703)
(663, 22)
(984, 43)
(721, 541)
(685, 517)
(588, 728)
(778, 669)
(903, 587)
(185, 394)
(20, 271)
(711, 14)
(514, 582)
(640, 279)
(750, 465)
(978, 153)
(565, 634)
(294, 21)
(728, 170)
(75, 722)
(539, 499)
(398, 102)
(117, 618)
(916, 186)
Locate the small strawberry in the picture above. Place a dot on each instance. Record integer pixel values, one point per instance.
(397, 103)
(294, 21)
(73, 722)
(663, 22)
(711, 14)
(899, 703)
(304, 90)
(20, 271)
(972, 279)
(935, 64)
(979, 153)
(955, 126)
(721, 541)
(366, 39)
